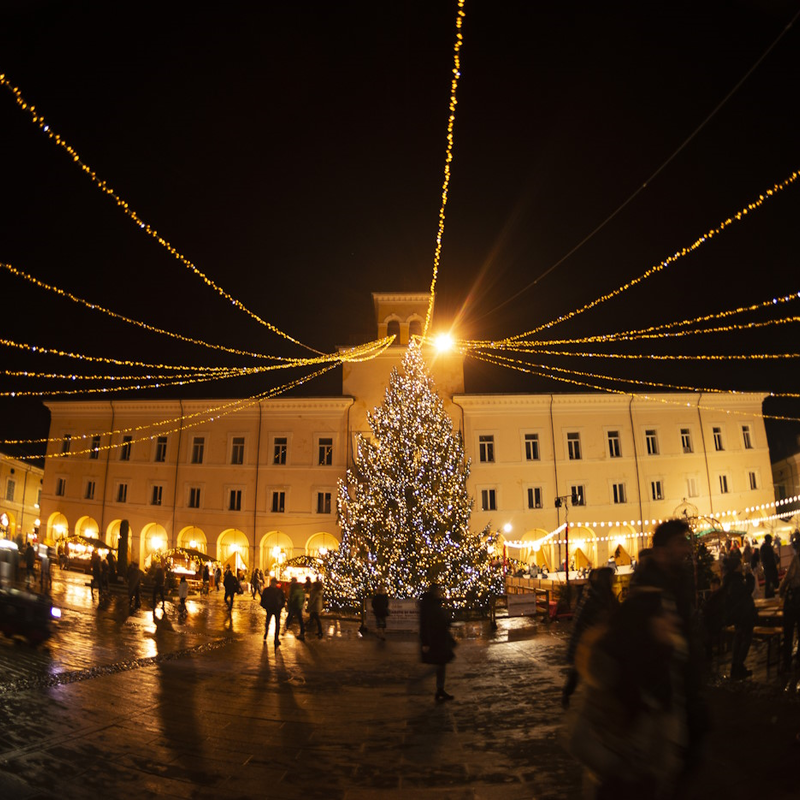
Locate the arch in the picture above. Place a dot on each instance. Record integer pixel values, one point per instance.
(194, 538)
(393, 329)
(88, 527)
(414, 327)
(534, 552)
(275, 549)
(234, 548)
(321, 542)
(8, 524)
(112, 533)
(581, 539)
(153, 540)
(57, 526)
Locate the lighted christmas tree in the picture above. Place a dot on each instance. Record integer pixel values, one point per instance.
(404, 510)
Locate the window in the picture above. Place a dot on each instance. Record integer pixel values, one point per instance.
(723, 484)
(686, 440)
(486, 448)
(237, 450)
(279, 451)
(61, 486)
(748, 442)
(122, 493)
(235, 500)
(323, 502)
(574, 446)
(531, 446)
(11, 487)
(691, 487)
(89, 493)
(325, 458)
(125, 450)
(753, 480)
(620, 495)
(535, 497)
(651, 440)
(656, 490)
(278, 502)
(613, 444)
(393, 329)
(488, 500)
(161, 449)
(198, 448)
(94, 453)
(194, 497)
(155, 497)
(39, 498)
(717, 438)
(578, 493)
(66, 443)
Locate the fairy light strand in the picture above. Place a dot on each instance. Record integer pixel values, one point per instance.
(103, 186)
(710, 234)
(451, 120)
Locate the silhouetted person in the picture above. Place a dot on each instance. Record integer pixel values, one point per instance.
(231, 584)
(297, 598)
(273, 601)
(436, 643)
(97, 574)
(315, 606)
(740, 611)
(134, 577)
(769, 566)
(158, 586)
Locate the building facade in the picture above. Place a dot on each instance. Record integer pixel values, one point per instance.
(257, 480)
(21, 488)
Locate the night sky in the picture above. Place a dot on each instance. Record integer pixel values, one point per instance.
(295, 153)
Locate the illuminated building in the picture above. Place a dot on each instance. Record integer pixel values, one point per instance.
(20, 497)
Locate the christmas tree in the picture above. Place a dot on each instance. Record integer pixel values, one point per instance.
(404, 510)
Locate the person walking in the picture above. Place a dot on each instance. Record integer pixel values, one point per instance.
(436, 643)
(770, 567)
(297, 598)
(30, 566)
(273, 601)
(596, 607)
(789, 590)
(315, 606)
(218, 576)
(231, 584)
(158, 586)
(134, 577)
(206, 577)
(97, 574)
(183, 593)
(255, 583)
(380, 608)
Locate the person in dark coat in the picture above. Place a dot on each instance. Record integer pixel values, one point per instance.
(596, 606)
(217, 577)
(436, 643)
(231, 584)
(272, 601)
(769, 566)
(159, 579)
(134, 577)
(380, 608)
(30, 562)
(97, 575)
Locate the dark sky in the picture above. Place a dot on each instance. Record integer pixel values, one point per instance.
(295, 153)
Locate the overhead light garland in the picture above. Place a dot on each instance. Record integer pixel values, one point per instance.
(451, 121)
(250, 401)
(654, 356)
(103, 186)
(738, 216)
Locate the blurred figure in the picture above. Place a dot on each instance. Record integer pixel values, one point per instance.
(297, 598)
(436, 643)
(30, 566)
(218, 577)
(97, 574)
(112, 567)
(595, 608)
(134, 577)
(206, 577)
(45, 567)
(158, 586)
(380, 608)
(740, 611)
(789, 590)
(183, 593)
(315, 606)
(770, 567)
(272, 601)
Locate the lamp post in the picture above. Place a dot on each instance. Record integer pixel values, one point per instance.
(565, 500)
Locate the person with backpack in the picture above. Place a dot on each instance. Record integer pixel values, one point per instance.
(273, 601)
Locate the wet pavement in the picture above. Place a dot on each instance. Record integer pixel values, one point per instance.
(118, 704)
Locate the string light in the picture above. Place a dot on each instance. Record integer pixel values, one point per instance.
(738, 216)
(97, 307)
(657, 357)
(39, 120)
(522, 366)
(451, 120)
(250, 401)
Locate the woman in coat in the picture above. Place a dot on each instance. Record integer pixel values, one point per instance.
(434, 635)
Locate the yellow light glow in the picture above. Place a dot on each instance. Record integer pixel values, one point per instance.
(443, 342)
(156, 543)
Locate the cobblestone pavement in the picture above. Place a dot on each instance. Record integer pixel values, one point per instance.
(118, 704)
